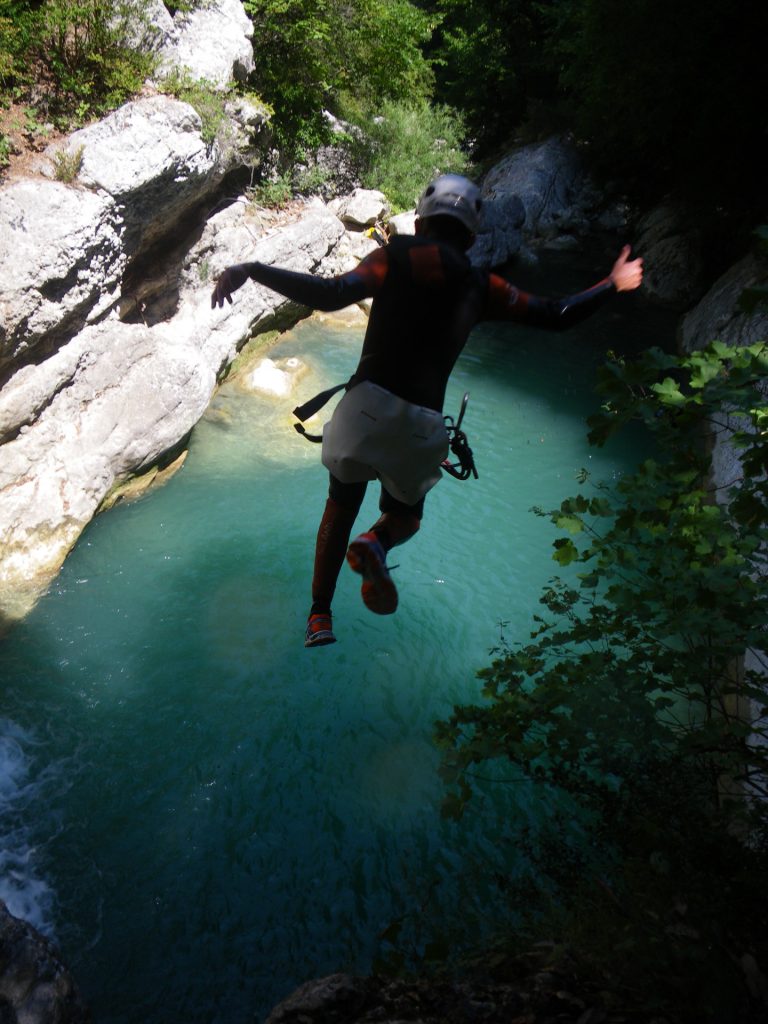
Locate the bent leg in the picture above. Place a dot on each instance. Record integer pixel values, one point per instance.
(367, 554)
(398, 521)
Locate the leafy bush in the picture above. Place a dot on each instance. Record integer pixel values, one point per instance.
(366, 48)
(6, 149)
(640, 695)
(16, 33)
(404, 145)
(81, 56)
(273, 192)
(634, 74)
(89, 49)
(200, 94)
(491, 60)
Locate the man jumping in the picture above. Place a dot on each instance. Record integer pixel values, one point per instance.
(389, 425)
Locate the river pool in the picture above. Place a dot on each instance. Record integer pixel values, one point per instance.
(201, 812)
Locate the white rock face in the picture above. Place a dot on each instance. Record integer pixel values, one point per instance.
(212, 42)
(538, 192)
(150, 158)
(362, 208)
(60, 258)
(272, 378)
(64, 248)
(118, 396)
(403, 223)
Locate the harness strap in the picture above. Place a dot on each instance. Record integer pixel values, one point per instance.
(303, 412)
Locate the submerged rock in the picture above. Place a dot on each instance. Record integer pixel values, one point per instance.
(275, 378)
(35, 987)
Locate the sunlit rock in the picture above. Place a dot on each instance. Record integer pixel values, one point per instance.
(403, 223)
(361, 209)
(212, 41)
(60, 262)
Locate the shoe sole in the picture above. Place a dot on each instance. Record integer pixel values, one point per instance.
(320, 640)
(378, 592)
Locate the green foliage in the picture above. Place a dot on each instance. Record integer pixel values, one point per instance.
(635, 74)
(404, 145)
(16, 34)
(638, 694)
(6, 149)
(273, 193)
(182, 6)
(367, 48)
(83, 53)
(206, 99)
(491, 60)
(89, 49)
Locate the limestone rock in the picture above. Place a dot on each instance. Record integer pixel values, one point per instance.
(671, 251)
(718, 316)
(344, 999)
(213, 42)
(66, 247)
(149, 156)
(60, 262)
(120, 397)
(338, 997)
(500, 234)
(550, 181)
(361, 209)
(402, 223)
(276, 378)
(35, 987)
(154, 27)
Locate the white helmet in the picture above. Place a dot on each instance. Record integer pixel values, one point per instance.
(451, 195)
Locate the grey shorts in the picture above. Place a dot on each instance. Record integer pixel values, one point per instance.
(373, 434)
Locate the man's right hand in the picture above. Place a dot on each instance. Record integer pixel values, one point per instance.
(227, 282)
(627, 274)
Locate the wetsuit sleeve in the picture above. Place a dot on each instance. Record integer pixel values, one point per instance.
(324, 293)
(505, 302)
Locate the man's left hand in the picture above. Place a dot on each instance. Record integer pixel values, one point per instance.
(227, 282)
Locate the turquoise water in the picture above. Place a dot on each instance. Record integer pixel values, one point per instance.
(202, 813)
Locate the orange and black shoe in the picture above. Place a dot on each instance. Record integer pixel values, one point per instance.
(366, 556)
(319, 631)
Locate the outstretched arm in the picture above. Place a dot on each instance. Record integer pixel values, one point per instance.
(325, 293)
(508, 303)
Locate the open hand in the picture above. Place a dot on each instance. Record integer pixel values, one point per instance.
(627, 274)
(227, 282)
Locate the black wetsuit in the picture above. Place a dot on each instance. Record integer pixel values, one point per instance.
(427, 297)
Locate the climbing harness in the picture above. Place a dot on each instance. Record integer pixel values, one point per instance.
(457, 440)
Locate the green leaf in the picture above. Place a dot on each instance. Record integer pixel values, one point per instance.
(565, 551)
(669, 392)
